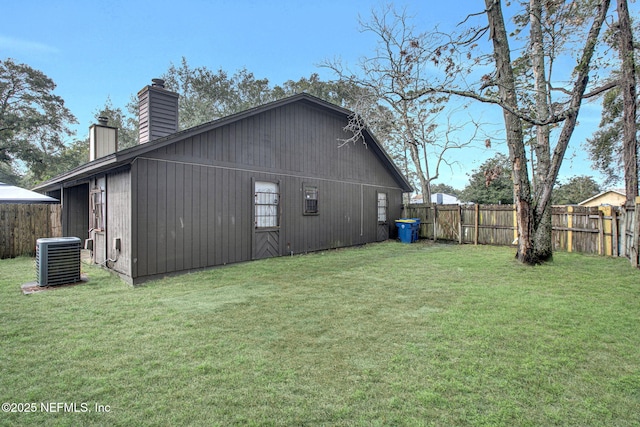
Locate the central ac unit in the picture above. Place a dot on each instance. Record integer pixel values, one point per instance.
(58, 261)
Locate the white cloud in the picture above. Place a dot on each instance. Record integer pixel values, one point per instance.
(25, 46)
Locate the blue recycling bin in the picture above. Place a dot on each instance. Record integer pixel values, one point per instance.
(406, 230)
(416, 229)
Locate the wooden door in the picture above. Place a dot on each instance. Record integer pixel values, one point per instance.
(383, 214)
(266, 227)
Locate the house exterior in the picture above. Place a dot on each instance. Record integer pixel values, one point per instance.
(437, 198)
(610, 197)
(270, 181)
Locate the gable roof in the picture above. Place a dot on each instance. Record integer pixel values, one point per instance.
(613, 191)
(12, 194)
(125, 157)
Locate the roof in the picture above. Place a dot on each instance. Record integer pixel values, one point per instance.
(127, 156)
(12, 194)
(445, 199)
(613, 191)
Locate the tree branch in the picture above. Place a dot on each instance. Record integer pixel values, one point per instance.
(475, 36)
(472, 14)
(601, 89)
(579, 87)
(557, 118)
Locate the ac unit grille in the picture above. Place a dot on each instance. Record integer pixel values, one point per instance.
(58, 261)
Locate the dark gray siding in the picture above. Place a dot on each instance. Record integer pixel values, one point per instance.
(118, 223)
(299, 139)
(75, 213)
(158, 113)
(192, 201)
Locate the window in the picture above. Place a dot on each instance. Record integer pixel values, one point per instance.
(382, 208)
(310, 200)
(266, 204)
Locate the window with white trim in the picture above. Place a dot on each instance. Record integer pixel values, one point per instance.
(383, 207)
(310, 200)
(267, 199)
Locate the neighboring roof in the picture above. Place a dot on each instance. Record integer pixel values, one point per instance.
(124, 157)
(445, 199)
(613, 191)
(12, 194)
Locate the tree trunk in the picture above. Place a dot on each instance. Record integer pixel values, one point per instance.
(534, 240)
(424, 184)
(543, 236)
(628, 87)
(427, 176)
(542, 224)
(515, 137)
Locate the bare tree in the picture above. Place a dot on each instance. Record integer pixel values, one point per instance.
(524, 88)
(391, 77)
(547, 30)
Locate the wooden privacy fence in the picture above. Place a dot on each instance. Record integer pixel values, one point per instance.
(629, 229)
(22, 224)
(602, 230)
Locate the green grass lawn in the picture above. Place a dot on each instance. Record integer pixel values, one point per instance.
(386, 334)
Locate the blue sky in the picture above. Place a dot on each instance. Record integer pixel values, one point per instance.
(111, 49)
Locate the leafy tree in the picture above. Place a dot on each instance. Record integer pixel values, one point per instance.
(575, 190)
(126, 122)
(490, 183)
(605, 146)
(627, 86)
(613, 148)
(8, 175)
(206, 95)
(69, 157)
(33, 120)
(337, 92)
(77, 153)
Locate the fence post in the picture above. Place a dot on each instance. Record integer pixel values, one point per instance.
(460, 227)
(606, 229)
(570, 227)
(515, 224)
(476, 223)
(636, 233)
(614, 233)
(435, 222)
(623, 230)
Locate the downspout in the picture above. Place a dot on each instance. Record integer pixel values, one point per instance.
(361, 210)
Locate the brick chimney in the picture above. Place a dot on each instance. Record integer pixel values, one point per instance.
(158, 111)
(103, 139)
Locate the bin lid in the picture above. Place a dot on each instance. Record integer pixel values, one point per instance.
(408, 221)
